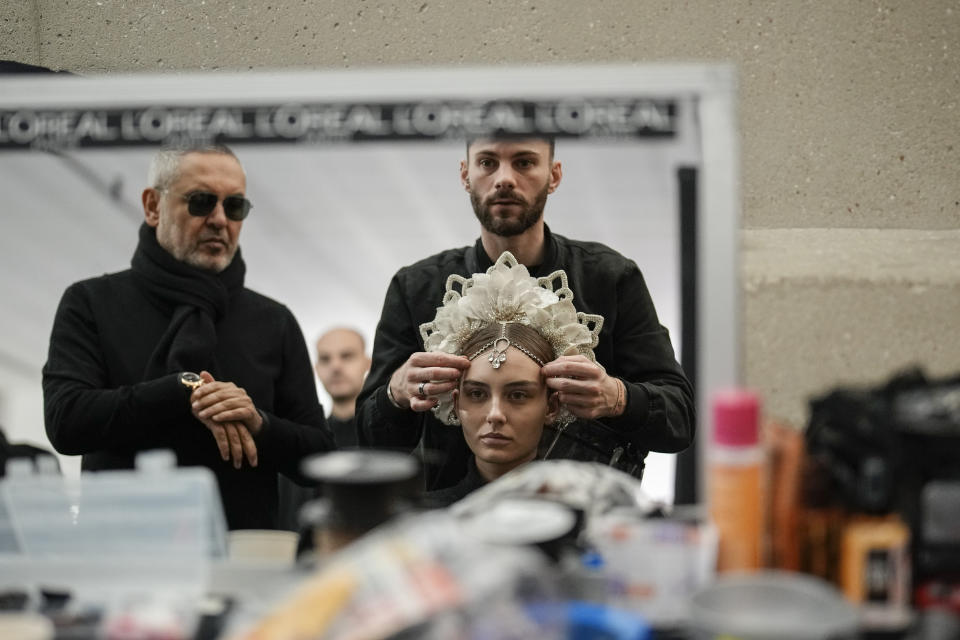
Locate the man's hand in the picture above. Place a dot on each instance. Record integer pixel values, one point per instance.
(439, 373)
(585, 388)
(229, 413)
(234, 442)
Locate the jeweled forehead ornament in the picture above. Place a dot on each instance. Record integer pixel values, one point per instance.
(498, 352)
(498, 355)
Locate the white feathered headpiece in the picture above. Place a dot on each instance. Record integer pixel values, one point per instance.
(508, 293)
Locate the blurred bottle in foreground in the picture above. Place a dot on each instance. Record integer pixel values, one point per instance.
(735, 480)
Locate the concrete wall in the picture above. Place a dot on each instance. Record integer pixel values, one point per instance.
(849, 112)
(19, 31)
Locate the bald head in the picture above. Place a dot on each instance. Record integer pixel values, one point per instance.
(342, 363)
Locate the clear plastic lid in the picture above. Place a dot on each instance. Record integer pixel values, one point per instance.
(773, 604)
(522, 521)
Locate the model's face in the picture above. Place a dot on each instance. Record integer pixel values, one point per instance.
(341, 363)
(503, 411)
(508, 182)
(207, 242)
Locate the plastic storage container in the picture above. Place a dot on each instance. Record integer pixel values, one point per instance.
(112, 532)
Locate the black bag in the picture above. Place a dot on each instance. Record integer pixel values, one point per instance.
(896, 448)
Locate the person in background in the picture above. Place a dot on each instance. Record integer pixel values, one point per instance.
(342, 364)
(509, 326)
(177, 353)
(639, 399)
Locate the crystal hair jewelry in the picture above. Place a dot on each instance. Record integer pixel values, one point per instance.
(508, 293)
(500, 346)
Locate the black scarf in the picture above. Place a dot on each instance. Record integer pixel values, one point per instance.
(196, 299)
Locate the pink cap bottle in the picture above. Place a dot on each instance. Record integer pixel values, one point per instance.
(735, 480)
(736, 422)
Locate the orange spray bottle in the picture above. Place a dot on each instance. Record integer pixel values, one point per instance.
(735, 467)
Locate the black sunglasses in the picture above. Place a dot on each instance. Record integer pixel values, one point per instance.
(202, 203)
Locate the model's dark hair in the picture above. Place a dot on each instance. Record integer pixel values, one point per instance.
(529, 338)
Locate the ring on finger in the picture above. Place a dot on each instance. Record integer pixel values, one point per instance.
(420, 391)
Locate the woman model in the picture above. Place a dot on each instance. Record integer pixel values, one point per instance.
(509, 325)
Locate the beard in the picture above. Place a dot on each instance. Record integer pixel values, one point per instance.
(530, 212)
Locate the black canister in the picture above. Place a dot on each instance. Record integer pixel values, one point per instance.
(361, 490)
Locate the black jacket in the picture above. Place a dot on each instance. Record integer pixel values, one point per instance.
(97, 403)
(659, 415)
(442, 498)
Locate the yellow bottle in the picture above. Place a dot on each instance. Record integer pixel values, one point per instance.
(875, 570)
(735, 480)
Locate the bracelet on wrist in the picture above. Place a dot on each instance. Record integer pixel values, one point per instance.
(618, 407)
(390, 397)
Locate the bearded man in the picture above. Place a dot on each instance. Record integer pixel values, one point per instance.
(176, 353)
(638, 400)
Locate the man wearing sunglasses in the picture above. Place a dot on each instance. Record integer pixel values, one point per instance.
(176, 353)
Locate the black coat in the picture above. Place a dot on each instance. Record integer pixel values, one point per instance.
(442, 498)
(98, 404)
